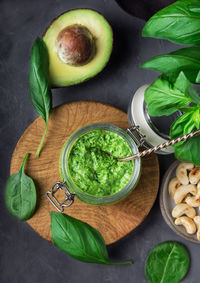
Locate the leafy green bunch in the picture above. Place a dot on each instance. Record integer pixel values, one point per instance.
(174, 90)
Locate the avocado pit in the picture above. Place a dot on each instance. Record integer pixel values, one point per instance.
(75, 45)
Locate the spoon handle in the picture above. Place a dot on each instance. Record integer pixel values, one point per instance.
(159, 147)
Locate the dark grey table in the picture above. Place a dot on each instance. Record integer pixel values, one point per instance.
(24, 256)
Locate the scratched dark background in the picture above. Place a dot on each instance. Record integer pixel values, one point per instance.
(24, 256)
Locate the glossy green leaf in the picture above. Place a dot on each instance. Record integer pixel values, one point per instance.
(178, 23)
(195, 7)
(20, 194)
(39, 87)
(187, 123)
(194, 94)
(79, 240)
(196, 118)
(185, 59)
(167, 262)
(198, 78)
(189, 151)
(177, 128)
(164, 98)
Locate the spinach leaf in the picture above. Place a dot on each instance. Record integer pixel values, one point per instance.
(79, 240)
(179, 23)
(164, 98)
(167, 262)
(39, 87)
(185, 59)
(20, 194)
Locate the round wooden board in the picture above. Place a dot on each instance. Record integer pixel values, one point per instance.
(113, 221)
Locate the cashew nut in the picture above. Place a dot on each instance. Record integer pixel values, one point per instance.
(173, 186)
(193, 201)
(194, 175)
(188, 223)
(197, 221)
(181, 172)
(183, 208)
(182, 191)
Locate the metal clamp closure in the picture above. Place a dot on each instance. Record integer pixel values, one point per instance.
(135, 134)
(69, 197)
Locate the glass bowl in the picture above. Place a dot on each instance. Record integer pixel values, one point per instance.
(96, 200)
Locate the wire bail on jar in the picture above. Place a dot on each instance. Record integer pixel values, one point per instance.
(134, 133)
(69, 197)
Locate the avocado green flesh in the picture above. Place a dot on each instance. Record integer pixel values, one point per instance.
(62, 74)
(93, 170)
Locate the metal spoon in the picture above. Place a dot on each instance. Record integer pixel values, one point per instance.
(159, 147)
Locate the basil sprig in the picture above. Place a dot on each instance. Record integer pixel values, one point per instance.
(167, 262)
(20, 194)
(164, 98)
(184, 59)
(179, 23)
(79, 240)
(173, 91)
(39, 86)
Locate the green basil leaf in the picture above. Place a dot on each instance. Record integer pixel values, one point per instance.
(167, 262)
(194, 94)
(196, 118)
(195, 8)
(20, 194)
(189, 127)
(185, 124)
(185, 59)
(182, 83)
(188, 109)
(79, 240)
(164, 98)
(177, 128)
(177, 23)
(198, 78)
(39, 87)
(189, 151)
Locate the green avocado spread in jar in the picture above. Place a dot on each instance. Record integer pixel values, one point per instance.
(93, 170)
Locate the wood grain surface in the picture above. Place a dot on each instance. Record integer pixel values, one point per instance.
(113, 221)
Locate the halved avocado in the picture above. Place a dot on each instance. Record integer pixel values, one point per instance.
(79, 44)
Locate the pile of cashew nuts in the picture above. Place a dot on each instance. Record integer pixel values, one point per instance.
(185, 191)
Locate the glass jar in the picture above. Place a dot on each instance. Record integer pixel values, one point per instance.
(154, 130)
(144, 131)
(96, 200)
